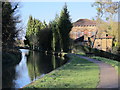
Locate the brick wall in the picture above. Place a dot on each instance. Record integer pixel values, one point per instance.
(79, 31)
(104, 44)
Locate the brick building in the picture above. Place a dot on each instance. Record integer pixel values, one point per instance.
(85, 29)
(104, 44)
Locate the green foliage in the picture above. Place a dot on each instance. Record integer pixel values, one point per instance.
(79, 73)
(29, 26)
(65, 25)
(44, 39)
(54, 36)
(61, 27)
(34, 27)
(9, 21)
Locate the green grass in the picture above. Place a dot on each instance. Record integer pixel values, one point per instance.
(78, 73)
(108, 61)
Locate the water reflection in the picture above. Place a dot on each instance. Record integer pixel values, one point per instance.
(32, 66)
(22, 77)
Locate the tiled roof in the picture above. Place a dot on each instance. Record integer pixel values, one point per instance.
(84, 22)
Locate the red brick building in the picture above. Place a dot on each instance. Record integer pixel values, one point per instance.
(85, 30)
(83, 27)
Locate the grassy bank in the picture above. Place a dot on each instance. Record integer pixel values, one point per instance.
(78, 73)
(108, 61)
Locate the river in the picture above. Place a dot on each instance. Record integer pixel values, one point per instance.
(32, 66)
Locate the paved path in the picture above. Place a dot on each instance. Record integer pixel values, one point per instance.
(108, 75)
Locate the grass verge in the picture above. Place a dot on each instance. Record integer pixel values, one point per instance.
(108, 61)
(78, 73)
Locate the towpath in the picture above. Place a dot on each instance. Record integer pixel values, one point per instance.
(108, 74)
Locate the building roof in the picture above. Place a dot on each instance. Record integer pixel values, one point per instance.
(84, 22)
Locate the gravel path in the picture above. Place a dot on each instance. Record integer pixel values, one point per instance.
(108, 75)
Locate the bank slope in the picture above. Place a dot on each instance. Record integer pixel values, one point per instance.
(78, 73)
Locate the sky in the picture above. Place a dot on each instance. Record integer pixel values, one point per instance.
(48, 10)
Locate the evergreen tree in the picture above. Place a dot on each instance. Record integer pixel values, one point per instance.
(55, 35)
(29, 27)
(38, 34)
(65, 25)
(33, 27)
(56, 43)
(45, 36)
(30, 31)
(9, 21)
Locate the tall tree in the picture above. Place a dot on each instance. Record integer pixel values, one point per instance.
(65, 25)
(9, 21)
(29, 26)
(33, 28)
(106, 9)
(30, 31)
(45, 38)
(56, 37)
(106, 18)
(38, 35)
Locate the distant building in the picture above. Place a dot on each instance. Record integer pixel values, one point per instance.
(83, 27)
(19, 42)
(84, 31)
(104, 44)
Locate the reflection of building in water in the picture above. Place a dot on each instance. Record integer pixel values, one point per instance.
(84, 31)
